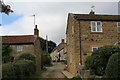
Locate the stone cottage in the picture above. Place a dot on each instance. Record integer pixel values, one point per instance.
(25, 44)
(87, 32)
(59, 52)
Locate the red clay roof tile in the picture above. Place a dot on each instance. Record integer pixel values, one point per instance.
(18, 39)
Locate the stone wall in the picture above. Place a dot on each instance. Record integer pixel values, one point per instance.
(108, 36)
(71, 57)
(38, 52)
(27, 48)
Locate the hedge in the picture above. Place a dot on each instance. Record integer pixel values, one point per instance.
(6, 59)
(112, 69)
(101, 57)
(18, 69)
(26, 56)
(88, 62)
(46, 59)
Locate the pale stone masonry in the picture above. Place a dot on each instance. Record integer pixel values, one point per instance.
(59, 52)
(86, 33)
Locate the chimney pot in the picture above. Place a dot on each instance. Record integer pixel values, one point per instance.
(36, 26)
(36, 31)
(62, 41)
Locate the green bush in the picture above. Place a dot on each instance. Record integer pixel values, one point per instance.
(76, 78)
(6, 59)
(91, 77)
(113, 65)
(6, 49)
(18, 69)
(8, 71)
(46, 59)
(88, 62)
(26, 56)
(101, 57)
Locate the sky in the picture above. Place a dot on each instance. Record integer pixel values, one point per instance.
(51, 16)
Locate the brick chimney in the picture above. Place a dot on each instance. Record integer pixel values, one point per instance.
(62, 41)
(36, 31)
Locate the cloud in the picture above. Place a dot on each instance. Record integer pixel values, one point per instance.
(51, 18)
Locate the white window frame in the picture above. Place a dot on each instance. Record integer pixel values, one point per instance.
(96, 26)
(118, 26)
(19, 48)
(94, 47)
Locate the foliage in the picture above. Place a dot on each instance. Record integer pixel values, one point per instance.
(99, 59)
(113, 65)
(17, 69)
(6, 49)
(5, 8)
(46, 59)
(37, 75)
(6, 59)
(76, 78)
(8, 70)
(27, 56)
(91, 77)
(88, 62)
(51, 45)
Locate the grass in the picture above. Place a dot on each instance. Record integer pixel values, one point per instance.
(37, 75)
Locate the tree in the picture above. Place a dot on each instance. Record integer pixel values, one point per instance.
(51, 45)
(5, 8)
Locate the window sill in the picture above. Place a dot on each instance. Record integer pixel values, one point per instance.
(96, 32)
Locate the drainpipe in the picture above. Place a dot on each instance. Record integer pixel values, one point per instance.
(80, 44)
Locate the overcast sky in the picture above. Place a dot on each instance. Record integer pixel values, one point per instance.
(51, 17)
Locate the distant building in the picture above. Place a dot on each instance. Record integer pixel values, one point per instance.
(87, 32)
(25, 44)
(59, 52)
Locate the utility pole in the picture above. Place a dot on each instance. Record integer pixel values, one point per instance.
(47, 43)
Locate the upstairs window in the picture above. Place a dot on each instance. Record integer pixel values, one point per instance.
(94, 49)
(19, 48)
(96, 26)
(118, 27)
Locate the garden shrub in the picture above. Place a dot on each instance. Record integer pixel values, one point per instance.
(6, 49)
(18, 69)
(6, 59)
(8, 71)
(46, 59)
(26, 56)
(91, 77)
(88, 62)
(113, 65)
(101, 57)
(76, 78)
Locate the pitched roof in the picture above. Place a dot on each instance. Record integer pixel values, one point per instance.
(59, 47)
(18, 39)
(96, 17)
